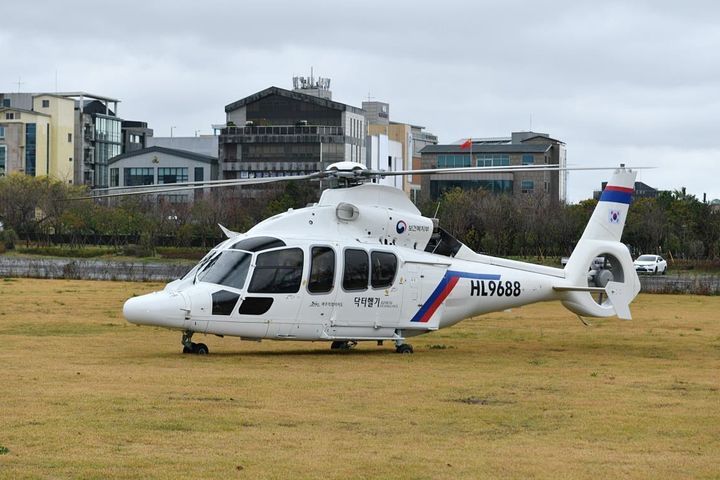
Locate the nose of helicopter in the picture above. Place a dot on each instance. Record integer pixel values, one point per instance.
(164, 309)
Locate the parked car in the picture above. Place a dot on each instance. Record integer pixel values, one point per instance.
(650, 264)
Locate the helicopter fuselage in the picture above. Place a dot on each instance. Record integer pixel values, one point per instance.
(309, 289)
(352, 267)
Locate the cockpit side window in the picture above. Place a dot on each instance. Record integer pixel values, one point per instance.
(200, 264)
(357, 268)
(322, 270)
(279, 271)
(229, 268)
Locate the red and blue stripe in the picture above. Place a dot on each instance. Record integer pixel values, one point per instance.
(617, 194)
(443, 290)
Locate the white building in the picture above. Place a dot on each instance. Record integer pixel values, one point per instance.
(385, 154)
(161, 166)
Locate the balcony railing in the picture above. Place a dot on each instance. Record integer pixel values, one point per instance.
(283, 130)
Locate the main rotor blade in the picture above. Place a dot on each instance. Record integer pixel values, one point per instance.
(171, 187)
(505, 169)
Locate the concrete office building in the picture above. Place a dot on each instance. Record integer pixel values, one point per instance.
(135, 135)
(82, 133)
(412, 138)
(37, 135)
(521, 148)
(278, 132)
(376, 113)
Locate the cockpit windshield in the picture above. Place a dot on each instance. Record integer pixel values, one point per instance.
(229, 268)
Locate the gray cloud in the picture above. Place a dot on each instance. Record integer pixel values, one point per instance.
(618, 81)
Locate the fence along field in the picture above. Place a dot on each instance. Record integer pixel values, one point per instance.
(526, 393)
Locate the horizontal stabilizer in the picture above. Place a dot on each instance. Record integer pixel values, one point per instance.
(580, 289)
(620, 296)
(618, 293)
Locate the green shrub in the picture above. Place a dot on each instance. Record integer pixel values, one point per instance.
(138, 251)
(182, 252)
(8, 238)
(85, 252)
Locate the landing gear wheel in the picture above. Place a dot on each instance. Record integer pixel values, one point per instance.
(342, 345)
(190, 347)
(404, 348)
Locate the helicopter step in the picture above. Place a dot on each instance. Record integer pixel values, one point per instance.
(343, 344)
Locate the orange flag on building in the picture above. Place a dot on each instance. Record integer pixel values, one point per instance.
(466, 144)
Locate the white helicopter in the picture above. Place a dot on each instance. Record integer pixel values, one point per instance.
(363, 264)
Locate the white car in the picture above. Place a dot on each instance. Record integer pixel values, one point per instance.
(650, 264)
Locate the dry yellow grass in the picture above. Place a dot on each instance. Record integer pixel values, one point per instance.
(524, 394)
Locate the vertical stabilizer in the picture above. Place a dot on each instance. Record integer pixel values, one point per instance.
(608, 219)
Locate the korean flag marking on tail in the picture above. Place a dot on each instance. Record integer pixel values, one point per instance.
(614, 216)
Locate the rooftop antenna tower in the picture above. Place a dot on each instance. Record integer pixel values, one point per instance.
(319, 87)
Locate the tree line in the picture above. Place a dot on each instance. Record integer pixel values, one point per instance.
(41, 210)
(674, 224)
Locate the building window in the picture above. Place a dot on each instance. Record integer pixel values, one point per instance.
(439, 187)
(493, 160)
(3, 156)
(114, 177)
(454, 161)
(528, 159)
(2, 132)
(69, 137)
(10, 115)
(30, 146)
(172, 174)
(199, 174)
(6, 102)
(46, 104)
(527, 186)
(139, 176)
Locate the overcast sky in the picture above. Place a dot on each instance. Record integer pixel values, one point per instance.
(618, 81)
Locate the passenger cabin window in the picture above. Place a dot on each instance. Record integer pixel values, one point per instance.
(229, 268)
(322, 270)
(357, 269)
(279, 271)
(384, 266)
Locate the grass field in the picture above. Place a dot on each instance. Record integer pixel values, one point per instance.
(530, 393)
